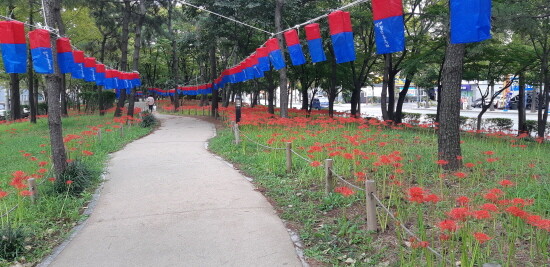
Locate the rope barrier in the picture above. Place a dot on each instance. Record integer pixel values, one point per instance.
(268, 147)
(407, 229)
(10, 211)
(346, 182)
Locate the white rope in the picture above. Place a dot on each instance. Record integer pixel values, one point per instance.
(44, 13)
(228, 18)
(10, 211)
(268, 147)
(346, 182)
(405, 228)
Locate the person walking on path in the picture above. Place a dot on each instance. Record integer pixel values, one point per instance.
(150, 103)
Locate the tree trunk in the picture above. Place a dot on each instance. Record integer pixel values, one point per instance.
(492, 107)
(398, 117)
(449, 124)
(544, 98)
(53, 87)
(522, 126)
(391, 95)
(15, 106)
(137, 50)
(123, 54)
(282, 72)
(58, 20)
(213, 72)
(385, 83)
(30, 77)
(270, 94)
(174, 53)
(332, 90)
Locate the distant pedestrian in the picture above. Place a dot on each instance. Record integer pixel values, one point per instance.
(150, 102)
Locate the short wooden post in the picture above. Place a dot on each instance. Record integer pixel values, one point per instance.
(329, 178)
(370, 189)
(121, 130)
(236, 132)
(33, 189)
(288, 157)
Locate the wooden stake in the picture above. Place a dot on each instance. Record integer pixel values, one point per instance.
(121, 130)
(99, 137)
(33, 189)
(329, 179)
(370, 189)
(236, 132)
(289, 157)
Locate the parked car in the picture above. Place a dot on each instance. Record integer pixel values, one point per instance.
(479, 104)
(319, 103)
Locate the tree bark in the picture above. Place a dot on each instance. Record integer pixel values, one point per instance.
(137, 51)
(213, 72)
(385, 83)
(123, 54)
(30, 77)
(53, 87)
(283, 90)
(398, 116)
(522, 126)
(449, 123)
(544, 97)
(174, 54)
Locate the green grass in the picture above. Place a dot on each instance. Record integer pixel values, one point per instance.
(48, 222)
(333, 227)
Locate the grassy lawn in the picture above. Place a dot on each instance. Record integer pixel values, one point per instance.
(496, 209)
(25, 154)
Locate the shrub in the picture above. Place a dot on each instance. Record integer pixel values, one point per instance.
(147, 120)
(80, 175)
(12, 243)
(463, 121)
(430, 118)
(500, 123)
(412, 118)
(42, 108)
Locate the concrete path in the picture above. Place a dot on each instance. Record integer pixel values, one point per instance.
(168, 202)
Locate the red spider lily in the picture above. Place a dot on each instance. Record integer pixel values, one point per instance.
(531, 165)
(43, 152)
(506, 183)
(481, 214)
(515, 211)
(444, 237)
(469, 165)
(442, 162)
(87, 153)
(25, 193)
(42, 170)
(27, 155)
(69, 182)
(51, 179)
(315, 164)
(17, 179)
(33, 159)
(448, 225)
(490, 207)
(42, 145)
(463, 200)
(459, 213)
(490, 160)
(3, 194)
(481, 237)
(460, 174)
(416, 194)
(345, 191)
(432, 198)
(42, 163)
(489, 153)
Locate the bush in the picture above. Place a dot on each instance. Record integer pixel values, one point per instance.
(12, 243)
(430, 118)
(500, 123)
(81, 176)
(42, 108)
(147, 120)
(411, 117)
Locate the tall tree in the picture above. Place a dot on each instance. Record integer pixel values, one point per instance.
(449, 116)
(283, 90)
(53, 87)
(124, 52)
(15, 95)
(137, 50)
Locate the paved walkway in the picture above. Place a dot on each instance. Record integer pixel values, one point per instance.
(168, 202)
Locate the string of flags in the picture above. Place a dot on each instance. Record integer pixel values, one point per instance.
(70, 61)
(389, 30)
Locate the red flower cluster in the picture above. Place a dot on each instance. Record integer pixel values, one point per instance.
(419, 195)
(345, 191)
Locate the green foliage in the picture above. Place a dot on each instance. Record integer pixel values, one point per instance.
(500, 123)
(77, 177)
(148, 120)
(12, 242)
(42, 108)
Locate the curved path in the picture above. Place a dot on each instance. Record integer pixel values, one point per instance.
(168, 202)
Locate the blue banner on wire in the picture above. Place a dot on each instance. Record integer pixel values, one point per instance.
(470, 21)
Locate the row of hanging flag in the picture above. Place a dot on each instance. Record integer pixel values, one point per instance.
(470, 22)
(14, 54)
